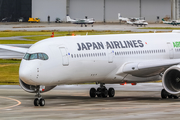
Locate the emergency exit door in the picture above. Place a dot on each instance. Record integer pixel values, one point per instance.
(110, 56)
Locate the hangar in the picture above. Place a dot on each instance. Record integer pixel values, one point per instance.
(100, 10)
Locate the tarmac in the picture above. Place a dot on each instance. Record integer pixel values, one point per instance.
(16, 26)
(72, 102)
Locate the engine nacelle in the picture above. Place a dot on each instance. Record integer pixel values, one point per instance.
(171, 80)
(32, 88)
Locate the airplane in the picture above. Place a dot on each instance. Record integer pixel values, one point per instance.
(81, 21)
(102, 59)
(122, 19)
(172, 22)
(133, 21)
(141, 23)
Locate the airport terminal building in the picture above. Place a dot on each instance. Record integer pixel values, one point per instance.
(100, 10)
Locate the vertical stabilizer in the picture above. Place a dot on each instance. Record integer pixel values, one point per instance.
(68, 19)
(119, 15)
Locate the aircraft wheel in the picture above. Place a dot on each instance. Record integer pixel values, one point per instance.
(98, 92)
(164, 94)
(170, 96)
(111, 92)
(85, 25)
(104, 92)
(42, 102)
(175, 97)
(36, 102)
(92, 92)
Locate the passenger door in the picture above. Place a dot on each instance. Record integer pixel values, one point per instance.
(65, 59)
(171, 51)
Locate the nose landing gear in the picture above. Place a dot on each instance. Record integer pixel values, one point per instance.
(102, 92)
(38, 101)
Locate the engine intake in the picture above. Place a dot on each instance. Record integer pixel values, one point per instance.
(31, 88)
(171, 80)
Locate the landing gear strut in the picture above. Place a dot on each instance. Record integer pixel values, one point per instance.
(165, 94)
(102, 92)
(38, 101)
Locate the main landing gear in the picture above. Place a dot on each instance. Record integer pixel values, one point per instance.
(165, 94)
(101, 92)
(38, 101)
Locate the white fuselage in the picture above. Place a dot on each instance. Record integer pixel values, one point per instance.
(81, 59)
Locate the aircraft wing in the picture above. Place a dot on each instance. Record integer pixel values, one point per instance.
(15, 49)
(146, 68)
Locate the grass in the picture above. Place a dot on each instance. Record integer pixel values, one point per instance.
(21, 33)
(9, 72)
(59, 33)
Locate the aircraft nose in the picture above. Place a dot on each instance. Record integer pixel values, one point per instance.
(26, 73)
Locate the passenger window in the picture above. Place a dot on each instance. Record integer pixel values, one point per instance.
(72, 55)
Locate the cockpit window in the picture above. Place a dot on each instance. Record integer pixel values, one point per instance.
(26, 57)
(45, 56)
(41, 56)
(33, 56)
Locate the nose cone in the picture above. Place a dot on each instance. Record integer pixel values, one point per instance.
(26, 73)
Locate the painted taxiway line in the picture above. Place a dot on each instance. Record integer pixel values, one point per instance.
(18, 103)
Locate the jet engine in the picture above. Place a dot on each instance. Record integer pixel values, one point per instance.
(32, 88)
(171, 80)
